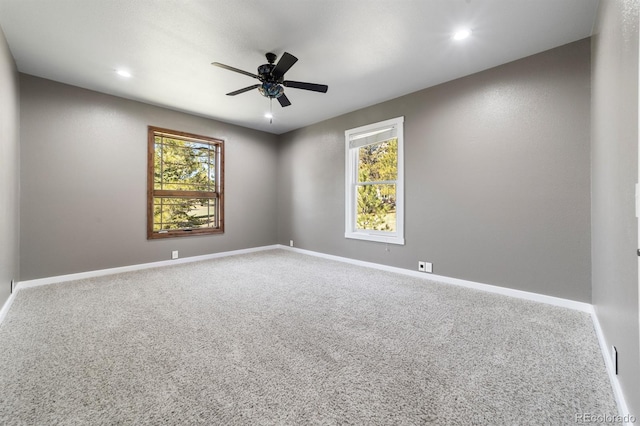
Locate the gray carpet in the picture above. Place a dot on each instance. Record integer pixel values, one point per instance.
(283, 338)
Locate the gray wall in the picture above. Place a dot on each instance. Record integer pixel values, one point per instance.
(614, 173)
(9, 171)
(496, 175)
(83, 177)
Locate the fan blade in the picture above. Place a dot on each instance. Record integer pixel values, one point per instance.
(246, 89)
(227, 67)
(306, 86)
(284, 101)
(283, 65)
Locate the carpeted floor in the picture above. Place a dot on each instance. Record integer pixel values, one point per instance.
(282, 338)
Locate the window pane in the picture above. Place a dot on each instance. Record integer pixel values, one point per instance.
(184, 165)
(376, 207)
(183, 213)
(378, 162)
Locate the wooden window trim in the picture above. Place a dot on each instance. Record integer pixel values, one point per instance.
(151, 192)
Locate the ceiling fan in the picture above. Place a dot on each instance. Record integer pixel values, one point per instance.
(271, 78)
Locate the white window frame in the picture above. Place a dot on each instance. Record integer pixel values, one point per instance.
(351, 179)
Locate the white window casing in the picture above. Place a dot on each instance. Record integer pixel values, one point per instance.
(369, 135)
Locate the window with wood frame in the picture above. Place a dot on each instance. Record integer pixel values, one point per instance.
(184, 185)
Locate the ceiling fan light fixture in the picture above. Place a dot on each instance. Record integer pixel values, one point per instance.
(271, 90)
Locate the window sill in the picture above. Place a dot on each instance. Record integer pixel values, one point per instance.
(389, 239)
(183, 233)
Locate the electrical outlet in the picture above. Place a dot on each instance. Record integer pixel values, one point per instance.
(290, 243)
(425, 266)
(174, 254)
(614, 359)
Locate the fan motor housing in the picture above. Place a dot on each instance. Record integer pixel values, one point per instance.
(264, 71)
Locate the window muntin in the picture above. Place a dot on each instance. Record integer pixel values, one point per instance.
(374, 182)
(185, 194)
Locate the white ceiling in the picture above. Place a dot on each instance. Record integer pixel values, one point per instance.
(367, 51)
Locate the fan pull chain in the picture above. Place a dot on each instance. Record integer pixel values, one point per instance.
(270, 110)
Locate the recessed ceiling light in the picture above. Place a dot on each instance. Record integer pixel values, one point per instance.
(461, 34)
(123, 73)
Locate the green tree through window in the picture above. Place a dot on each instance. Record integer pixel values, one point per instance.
(377, 173)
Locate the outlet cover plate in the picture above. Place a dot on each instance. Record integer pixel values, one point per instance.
(174, 254)
(428, 267)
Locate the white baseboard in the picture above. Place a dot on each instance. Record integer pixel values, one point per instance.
(102, 272)
(623, 409)
(551, 300)
(7, 305)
